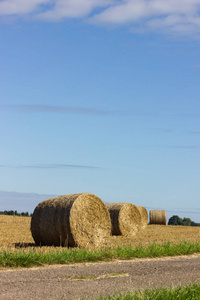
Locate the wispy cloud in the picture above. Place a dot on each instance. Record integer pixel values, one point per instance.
(191, 210)
(176, 16)
(188, 115)
(74, 110)
(194, 211)
(54, 109)
(194, 132)
(22, 201)
(49, 166)
(195, 66)
(184, 147)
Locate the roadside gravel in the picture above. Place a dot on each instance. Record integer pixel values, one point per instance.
(83, 281)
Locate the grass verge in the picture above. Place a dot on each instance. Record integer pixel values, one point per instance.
(76, 255)
(189, 292)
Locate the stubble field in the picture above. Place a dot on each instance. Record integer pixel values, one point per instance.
(15, 233)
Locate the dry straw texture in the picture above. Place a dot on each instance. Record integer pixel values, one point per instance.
(15, 230)
(144, 216)
(71, 220)
(158, 217)
(125, 218)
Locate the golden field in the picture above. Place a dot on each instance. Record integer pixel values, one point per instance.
(15, 232)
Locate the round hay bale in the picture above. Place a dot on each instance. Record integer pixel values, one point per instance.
(158, 217)
(144, 216)
(71, 220)
(125, 218)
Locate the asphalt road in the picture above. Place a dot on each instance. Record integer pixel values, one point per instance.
(81, 281)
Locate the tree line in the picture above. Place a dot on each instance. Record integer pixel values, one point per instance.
(176, 220)
(15, 213)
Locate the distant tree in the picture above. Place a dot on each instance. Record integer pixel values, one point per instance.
(175, 220)
(194, 224)
(25, 214)
(14, 213)
(187, 222)
(10, 212)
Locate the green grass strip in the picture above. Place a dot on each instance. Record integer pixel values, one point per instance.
(189, 292)
(76, 255)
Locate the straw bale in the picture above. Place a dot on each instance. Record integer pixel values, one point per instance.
(71, 220)
(144, 216)
(125, 218)
(158, 217)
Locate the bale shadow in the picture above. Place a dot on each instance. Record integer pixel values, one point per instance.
(26, 245)
(33, 245)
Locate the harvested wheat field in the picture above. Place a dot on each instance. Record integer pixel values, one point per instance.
(15, 232)
(14, 229)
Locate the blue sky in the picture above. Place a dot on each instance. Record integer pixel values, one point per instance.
(101, 97)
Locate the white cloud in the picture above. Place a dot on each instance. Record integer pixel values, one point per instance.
(72, 9)
(175, 23)
(178, 16)
(181, 16)
(123, 12)
(18, 7)
(134, 9)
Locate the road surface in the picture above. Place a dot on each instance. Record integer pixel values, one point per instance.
(87, 280)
